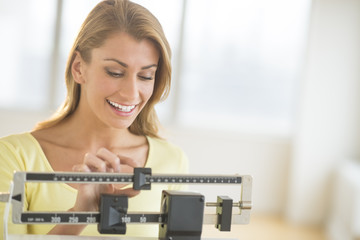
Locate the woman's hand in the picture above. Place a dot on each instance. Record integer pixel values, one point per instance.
(89, 194)
(103, 161)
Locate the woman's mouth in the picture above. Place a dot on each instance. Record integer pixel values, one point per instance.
(121, 108)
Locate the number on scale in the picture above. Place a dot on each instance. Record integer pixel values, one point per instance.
(55, 219)
(73, 219)
(91, 219)
(126, 219)
(143, 219)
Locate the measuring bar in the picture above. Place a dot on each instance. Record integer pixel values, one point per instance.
(141, 180)
(70, 177)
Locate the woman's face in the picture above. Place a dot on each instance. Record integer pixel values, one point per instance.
(119, 80)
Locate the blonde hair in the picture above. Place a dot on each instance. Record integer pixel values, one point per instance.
(108, 17)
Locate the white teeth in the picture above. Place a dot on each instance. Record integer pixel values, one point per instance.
(121, 107)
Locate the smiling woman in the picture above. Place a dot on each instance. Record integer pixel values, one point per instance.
(87, 40)
(126, 85)
(118, 69)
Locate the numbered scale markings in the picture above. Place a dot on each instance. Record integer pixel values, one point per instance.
(86, 218)
(129, 178)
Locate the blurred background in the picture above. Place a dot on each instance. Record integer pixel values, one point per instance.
(269, 88)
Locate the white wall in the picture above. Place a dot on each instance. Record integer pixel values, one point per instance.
(328, 129)
(12, 121)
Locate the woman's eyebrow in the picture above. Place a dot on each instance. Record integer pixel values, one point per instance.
(117, 61)
(125, 65)
(149, 66)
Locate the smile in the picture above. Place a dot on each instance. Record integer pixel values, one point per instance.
(120, 107)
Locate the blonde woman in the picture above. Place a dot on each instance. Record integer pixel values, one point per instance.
(118, 69)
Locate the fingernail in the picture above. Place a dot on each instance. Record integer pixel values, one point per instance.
(118, 168)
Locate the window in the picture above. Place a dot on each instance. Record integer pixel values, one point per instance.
(241, 63)
(26, 50)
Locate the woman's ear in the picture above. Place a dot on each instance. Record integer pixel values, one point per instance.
(77, 69)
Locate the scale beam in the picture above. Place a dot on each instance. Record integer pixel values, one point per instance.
(105, 178)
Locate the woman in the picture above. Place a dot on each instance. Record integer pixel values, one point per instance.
(118, 69)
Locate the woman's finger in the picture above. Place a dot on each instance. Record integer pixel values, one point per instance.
(110, 158)
(81, 168)
(129, 161)
(127, 191)
(126, 168)
(94, 163)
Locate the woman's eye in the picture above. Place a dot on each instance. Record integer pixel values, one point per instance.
(114, 74)
(146, 78)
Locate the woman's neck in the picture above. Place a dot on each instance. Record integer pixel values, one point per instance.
(80, 133)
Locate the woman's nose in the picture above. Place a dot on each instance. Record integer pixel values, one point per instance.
(129, 88)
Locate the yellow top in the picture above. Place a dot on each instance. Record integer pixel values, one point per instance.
(22, 152)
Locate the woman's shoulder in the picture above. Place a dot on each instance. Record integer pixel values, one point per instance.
(19, 140)
(22, 148)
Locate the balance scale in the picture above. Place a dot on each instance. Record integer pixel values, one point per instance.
(173, 219)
